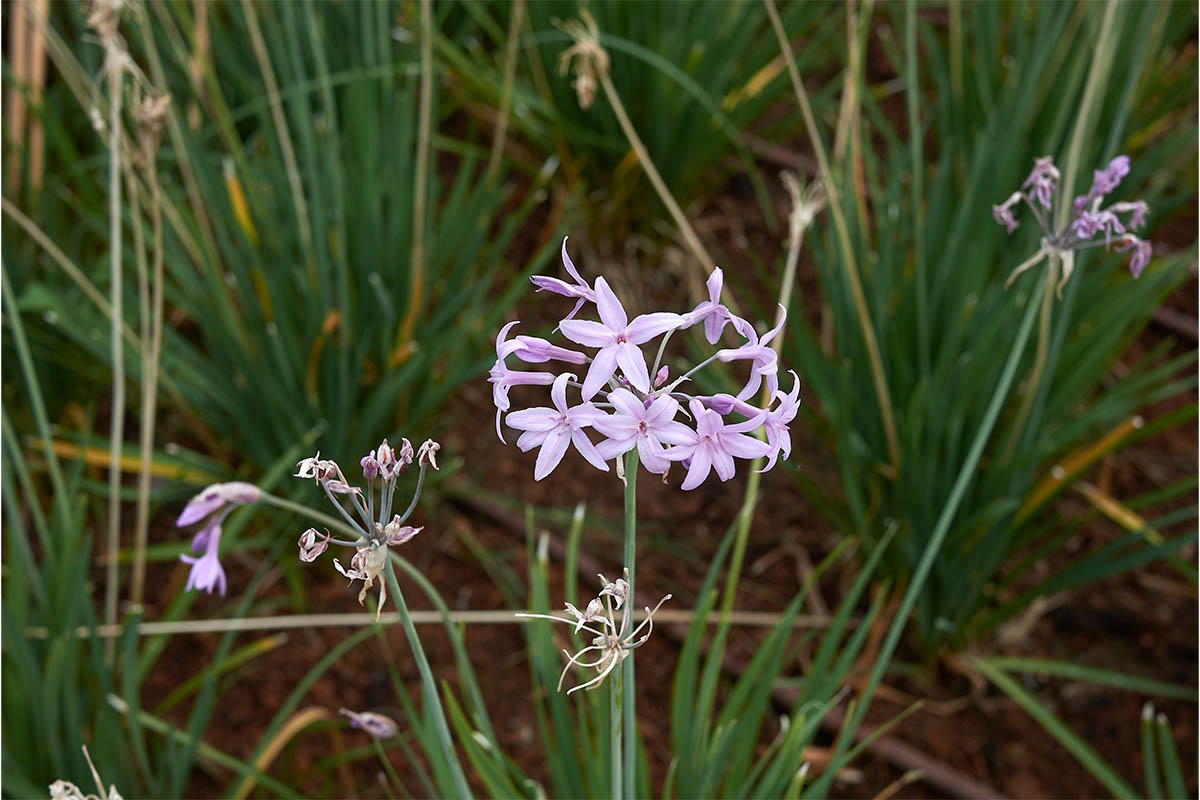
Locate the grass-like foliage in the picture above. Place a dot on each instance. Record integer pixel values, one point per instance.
(933, 265)
(295, 289)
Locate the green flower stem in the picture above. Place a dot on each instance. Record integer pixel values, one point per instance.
(614, 716)
(433, 702)
(628, 697)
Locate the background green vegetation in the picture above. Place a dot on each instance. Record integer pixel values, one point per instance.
(319, 293)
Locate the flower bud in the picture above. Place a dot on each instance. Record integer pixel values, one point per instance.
(405, 457)
(376, 725)
(661, 377)
(370, 466)
(427, 455)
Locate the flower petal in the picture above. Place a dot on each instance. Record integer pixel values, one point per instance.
(647, 326)
(603, 366)
(612, 313)
(534, 419)
(743, 446)
(588, 450)
(632, 361)
(587, 333)
(701, 464)
(551, 453)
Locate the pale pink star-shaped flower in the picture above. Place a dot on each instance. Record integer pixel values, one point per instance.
(554, 429)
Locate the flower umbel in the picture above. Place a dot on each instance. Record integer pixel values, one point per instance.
(612, 639)
(1086, 221)
(632, 404)
(377, 528)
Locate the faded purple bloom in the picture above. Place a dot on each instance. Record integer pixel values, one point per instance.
(714, 445)
(217, 496)
(618, 340)
(1142, 250)
(764, 359)
(365, 566)
(618, 590)
(711, 312)
(1089, 223)
(649, 428)
(376, 725)
(1004, 215)
(206, 573)
(1107, 179)
(427, 455)
(1137, 212)
(594, 610)
(580, 289)
(312, 545)
(553, 429)
(1043, 181)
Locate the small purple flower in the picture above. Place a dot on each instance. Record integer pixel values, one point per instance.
(580, 289)
(648, 428)
(376, 725)
(779, 436)
(533, 350)
(312, 545)
(764, 359)
(618, 340)
(404, 458)
(714, 445)
(1043, 181)
(711, 312)
(206, 573)
(215, 497)
(553, 429)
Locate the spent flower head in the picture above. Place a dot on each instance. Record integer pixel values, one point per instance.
(1086, 222)
(612, 639)
(631, 402)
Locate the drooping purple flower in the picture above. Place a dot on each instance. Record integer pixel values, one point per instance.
(502, 378)
(648, 428)
(618, 340)
(370, 466)
(206, 573)
(554, 429)
(714, 445)
(1003, 213)
(711, 312)
(215, 497)
(580, 289)
(1042, 181)
(764, 359)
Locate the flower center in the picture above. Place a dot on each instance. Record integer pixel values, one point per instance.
(643, 427)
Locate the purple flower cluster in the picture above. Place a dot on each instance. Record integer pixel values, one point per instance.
(635, 405)
(1088, 219)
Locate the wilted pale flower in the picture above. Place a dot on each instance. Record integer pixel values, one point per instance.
(65, 790)
(612, 640)
(1087, 218)
(618, 398)
(376, 725)
(311, 545)
(427, 455)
